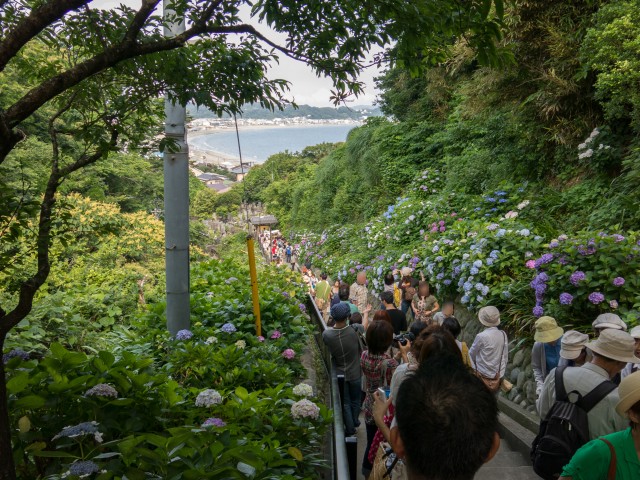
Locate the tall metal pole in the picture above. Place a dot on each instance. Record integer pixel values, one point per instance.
(176, 201)
(254, 284)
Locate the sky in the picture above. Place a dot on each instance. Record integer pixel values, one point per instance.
(305, 86)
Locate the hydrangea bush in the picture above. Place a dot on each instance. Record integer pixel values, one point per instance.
(214, 398)
(494, 248)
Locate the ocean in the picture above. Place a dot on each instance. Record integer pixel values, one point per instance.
(260, 143)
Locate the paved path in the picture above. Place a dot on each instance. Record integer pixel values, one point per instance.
(506, 465)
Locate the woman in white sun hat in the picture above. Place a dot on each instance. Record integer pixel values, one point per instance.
(573, 349)
(615, 456)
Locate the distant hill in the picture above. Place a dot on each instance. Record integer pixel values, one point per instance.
(313, 113)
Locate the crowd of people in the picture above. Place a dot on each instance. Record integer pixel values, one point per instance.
(278, 250)
(428, 402)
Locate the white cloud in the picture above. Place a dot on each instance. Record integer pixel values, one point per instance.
(306, 87)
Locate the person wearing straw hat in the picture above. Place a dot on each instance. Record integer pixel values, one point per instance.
(632, 367)
(613, 456)
(612, 350)
(573, 349)
(545, 355)
(490, 349)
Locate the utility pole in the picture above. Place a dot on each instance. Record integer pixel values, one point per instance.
(176, 200)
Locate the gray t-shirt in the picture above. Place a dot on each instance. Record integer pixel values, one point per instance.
(345, 349)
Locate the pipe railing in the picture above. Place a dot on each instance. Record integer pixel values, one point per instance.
(340, 459)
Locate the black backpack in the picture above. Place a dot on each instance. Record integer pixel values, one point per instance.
(565, 428)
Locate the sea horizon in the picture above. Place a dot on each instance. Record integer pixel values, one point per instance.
(259, 142)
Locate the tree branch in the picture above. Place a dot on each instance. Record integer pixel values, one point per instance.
(140, 18)
(111, 56)
(30, 26)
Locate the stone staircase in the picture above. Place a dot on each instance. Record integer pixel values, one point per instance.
(508, 464)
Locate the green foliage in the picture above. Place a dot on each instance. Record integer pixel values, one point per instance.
(153, 427)
(611, 48)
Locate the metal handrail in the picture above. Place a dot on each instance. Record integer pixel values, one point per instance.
(340, 461)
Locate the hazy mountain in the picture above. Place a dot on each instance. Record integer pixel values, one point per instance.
(314, 113)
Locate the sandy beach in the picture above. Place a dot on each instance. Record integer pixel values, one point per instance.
(208, 156)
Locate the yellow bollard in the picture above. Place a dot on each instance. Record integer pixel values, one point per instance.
(254, 284)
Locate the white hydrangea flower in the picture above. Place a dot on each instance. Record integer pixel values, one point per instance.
(523, 204)
(241, 344)
(305, 409)
(211, 340)
(303, 390)
(208, 397)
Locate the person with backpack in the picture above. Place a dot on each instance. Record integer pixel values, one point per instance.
(287, 252)
(323, 293)
(613, 456)
(577, 404)
(344, 345)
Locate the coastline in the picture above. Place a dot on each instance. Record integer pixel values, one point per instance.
(199, 154)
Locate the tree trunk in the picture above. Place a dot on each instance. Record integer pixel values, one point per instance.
(7, 466)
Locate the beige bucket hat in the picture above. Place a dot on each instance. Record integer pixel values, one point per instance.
(609, 320)
(547, 330)
(616, 345)
(635, 332)
(406, 271)
(489, 316)
(572, 344)
(629, 391)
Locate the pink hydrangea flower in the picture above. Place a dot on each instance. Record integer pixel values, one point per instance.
(275, 335)
(289, 354)
(530, 263)
(261, 338)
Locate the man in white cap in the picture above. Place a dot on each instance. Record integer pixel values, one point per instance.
(611, 352)
(573, 349)
(490, 349)
(633, 367)
(605, 321)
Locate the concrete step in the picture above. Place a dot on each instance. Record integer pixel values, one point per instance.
(506, 473)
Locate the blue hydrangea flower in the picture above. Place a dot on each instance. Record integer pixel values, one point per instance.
(501, 233)
(16, 352)
(566, 298)
(184, 334)
(447, 281)
(83, 468)
(489, 261)
(84, 428)
(474, 271)
(477, 263)
(494, 254)
(467, 286)
(465, 299)
(228, 328)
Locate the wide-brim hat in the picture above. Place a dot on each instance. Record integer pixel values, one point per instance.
(572, 344)
(547, 330)
(615, 345)
(609, 320)
(629, 392)
(489, 316)
(406, 271)
(635, 332)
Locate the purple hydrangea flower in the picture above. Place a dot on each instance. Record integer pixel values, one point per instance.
(566, 298)
(554, 244)
(285, 294)
(613, 304)
(17, 352)
(302, 307)
(577, 277)
(618, 238)
(228, 328)
(596, 298)
(184, 334)
(276, 335)
(101, 390)
(544, 259)
(538, 311)
(618, 281)
(214, 422)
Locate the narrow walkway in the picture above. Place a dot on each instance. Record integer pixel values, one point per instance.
(506, 465)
